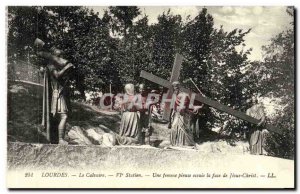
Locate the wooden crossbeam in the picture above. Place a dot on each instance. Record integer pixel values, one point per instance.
(209, 102)
(176, 68)
(174, 77)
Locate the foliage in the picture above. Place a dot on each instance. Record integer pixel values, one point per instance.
(132, 53)
(78, 31)
(115, 47)
(277, 79)
(123, 18)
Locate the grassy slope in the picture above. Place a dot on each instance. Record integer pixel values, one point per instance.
(25, 111)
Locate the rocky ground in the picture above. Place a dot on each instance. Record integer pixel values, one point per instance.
(86, 125)
(24, 118)
(28, 149)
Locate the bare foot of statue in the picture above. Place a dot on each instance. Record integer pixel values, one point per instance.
(62, 142)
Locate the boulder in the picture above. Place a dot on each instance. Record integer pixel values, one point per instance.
(78, 137)
(18, 89)
(95, 137)
(109, 139)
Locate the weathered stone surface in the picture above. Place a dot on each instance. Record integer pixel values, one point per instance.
(24, 157)
(95, 137)
(78, 137)
(40, 156)
(108, 139)
(224, 147)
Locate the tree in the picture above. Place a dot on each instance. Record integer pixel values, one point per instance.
(230, 75)
(137, 52)
(78, 31)
(24, 25)
(277, 80)
(119, 45)
(123, 18)
(217, 67)
(166, 43)
(196, 49)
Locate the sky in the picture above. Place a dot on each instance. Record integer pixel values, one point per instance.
(265, 22)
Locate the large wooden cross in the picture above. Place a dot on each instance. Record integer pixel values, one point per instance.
(174, 77)
(200, 98)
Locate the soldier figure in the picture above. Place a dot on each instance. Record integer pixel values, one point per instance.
(55, 101)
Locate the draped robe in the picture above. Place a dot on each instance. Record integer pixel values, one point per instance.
(130, 130)
(181, 125)
(256, 134)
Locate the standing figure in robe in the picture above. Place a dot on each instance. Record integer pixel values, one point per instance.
(256, 131)
(145, 114)
(55, 101)
(181, 119)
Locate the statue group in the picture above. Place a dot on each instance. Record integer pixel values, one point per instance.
(135, 127)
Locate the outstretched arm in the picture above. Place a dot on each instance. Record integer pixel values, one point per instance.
(197, 108)
(58, 74)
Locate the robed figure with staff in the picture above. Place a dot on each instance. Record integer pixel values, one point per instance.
(182, 124)
(55, 101)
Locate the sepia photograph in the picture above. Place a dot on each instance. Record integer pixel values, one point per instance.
(143, 97)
